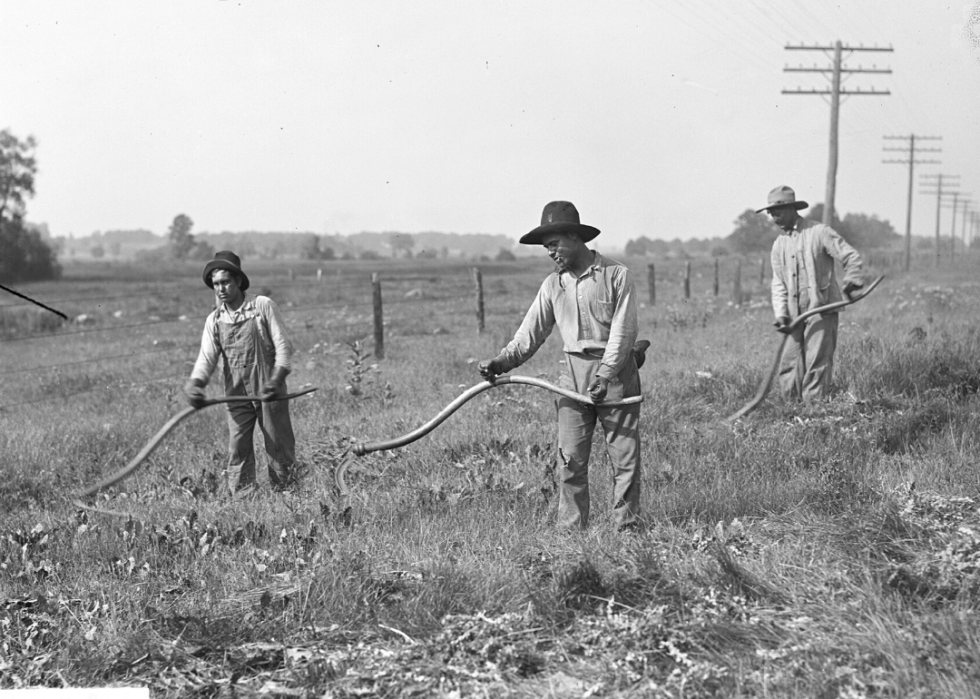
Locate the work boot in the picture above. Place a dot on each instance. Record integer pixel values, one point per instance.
(640, 352)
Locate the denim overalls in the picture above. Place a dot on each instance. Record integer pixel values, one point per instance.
(249, 358)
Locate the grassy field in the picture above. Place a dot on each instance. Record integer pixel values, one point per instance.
(823, 551)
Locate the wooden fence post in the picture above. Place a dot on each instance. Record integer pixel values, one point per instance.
(478, 280)
(379, 328)
(737, 289)
(652, 284)
(716, 277)
(687, 279)
(319, 274)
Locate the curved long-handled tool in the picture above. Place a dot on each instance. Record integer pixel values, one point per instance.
(165, 430)
(34, 301)
(384, 445)
(767, 382)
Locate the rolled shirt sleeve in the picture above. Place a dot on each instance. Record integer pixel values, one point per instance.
(207, 358)
(272, 318)
(537, 325)
(843, 252)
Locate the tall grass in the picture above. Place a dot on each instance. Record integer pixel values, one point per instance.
(825, 550)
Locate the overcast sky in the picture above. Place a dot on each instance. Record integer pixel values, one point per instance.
(659, 118)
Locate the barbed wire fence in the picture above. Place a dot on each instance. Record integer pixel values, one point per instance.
(334, 309)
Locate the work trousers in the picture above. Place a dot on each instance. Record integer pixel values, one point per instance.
(248, 363)
(807, 367)
(576, 425)
(280, 444)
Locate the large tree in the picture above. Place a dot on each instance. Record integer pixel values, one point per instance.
(865, 231)
(181, 240)
(17, 168)
(753, 233)
(860, 230)
(402, 243)
(24, 254)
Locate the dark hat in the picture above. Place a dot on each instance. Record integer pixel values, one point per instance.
(560, 217)
(229, 261)
(782, 196)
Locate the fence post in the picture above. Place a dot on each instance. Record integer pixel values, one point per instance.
(716, 277)
(478, 280)
(319, 274)
(379, 328)
(737, 289)
(687, 279)
(652, 284)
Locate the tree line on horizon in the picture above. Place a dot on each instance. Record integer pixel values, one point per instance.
(755, 233)
(28, 252)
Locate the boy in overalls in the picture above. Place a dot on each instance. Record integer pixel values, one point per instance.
(248, 333)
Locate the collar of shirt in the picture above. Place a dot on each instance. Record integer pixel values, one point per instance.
(795, 229)
(228, 315)
(590, 270)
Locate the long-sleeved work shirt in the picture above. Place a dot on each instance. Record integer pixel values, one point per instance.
(272, 332)
(809, 248)
(595, 314)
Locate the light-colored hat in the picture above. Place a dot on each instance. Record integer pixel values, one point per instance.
(783, 196)
(560, 217)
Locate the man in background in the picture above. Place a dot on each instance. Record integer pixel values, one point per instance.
(592, 301)
(803, 277)
(248, 333)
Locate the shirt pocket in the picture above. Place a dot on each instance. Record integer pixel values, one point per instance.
(602, 312)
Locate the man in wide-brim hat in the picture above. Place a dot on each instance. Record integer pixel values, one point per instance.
(803, 277)
(249, 335)
(592, 301)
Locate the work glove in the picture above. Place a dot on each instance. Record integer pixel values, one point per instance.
(275, 385)
(598, 388)
(194, 390)
(850, 288)
(782, 324)
(490, 369)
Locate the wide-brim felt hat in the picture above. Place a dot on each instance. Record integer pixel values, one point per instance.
(559, 217)
(229, 261)
(783, 196)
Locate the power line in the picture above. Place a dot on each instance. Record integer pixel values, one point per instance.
(958, 198)
(835, 71)
(911, 162)
(940, 193)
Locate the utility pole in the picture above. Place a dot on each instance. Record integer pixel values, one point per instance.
(974, 223)
(939, 192)
(911, 163)
(836, 71)
(967, 216)
(958, 199)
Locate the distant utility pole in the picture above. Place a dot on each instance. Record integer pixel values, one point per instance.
(958, 199)
(835, 92)
(911, 163)
(967, 216)
(938, 180)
